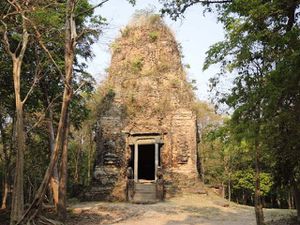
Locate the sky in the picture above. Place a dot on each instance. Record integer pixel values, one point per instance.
(196, 32)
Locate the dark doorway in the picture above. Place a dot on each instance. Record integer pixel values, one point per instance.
(146, 161)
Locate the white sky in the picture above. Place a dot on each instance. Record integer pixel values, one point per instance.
(195, 33)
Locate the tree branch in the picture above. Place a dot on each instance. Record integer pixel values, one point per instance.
(83, 32)
(291, 16)
(25, 37)
(12, 3)
(43, 115)
(35, 81)
(176, 8)
(80, 86)
(205, 2)
(38, 36)
(6, 42)
(91, 9)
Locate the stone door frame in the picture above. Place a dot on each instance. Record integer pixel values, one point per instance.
(137, 139)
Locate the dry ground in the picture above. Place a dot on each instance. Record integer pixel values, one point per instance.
(189, 209)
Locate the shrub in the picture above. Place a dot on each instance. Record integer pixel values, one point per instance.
(125, 32)
(153, 35)
(115, 47)
(137, 64)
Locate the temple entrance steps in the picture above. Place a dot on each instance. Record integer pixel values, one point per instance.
(145, 193)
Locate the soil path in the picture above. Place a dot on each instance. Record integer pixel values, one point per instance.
(189, 209)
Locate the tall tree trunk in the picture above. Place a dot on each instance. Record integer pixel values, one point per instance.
(54, 181)
(62, 207)
(18, 192)
(17, 60)
(70, 43)
(257, 197)
(297, 200)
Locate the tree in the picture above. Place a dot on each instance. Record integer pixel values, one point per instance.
(17, 54)
(71, 41)
(7, 110)
(261, 48)
(256, 50)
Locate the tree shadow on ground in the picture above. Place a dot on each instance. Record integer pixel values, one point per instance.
(212, 215)
(101, 214)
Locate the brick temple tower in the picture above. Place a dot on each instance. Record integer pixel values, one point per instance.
(146, 128)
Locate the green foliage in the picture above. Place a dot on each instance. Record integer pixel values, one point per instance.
(44, 103)
(261, 47)
(147, 18)
(175, 8)
(229, 160)
(137, 64)
(115, 47)
(193, 84)
(101, 102)
(125, 32)
(154, 19)
(188, 66)
(153, 35)
(132, 2)
(50, 18)
(244, 180)
(179, 47)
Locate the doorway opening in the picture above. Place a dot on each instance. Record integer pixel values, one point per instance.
(146, 162)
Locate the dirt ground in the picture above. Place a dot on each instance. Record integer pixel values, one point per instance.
(189, 209)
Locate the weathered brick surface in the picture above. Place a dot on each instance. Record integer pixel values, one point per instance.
(150, 95)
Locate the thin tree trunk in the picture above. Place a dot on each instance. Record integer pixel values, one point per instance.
(289, 199)
(297, 200)
(229, 191)
(257, 197)
(5, 190)
(77, 158)
(61, 207)
(272, 202)
(278, 202)
(223, 190)
(90, 156)
(54, 181)
(6, 158)
(293, 201)
(244, 198)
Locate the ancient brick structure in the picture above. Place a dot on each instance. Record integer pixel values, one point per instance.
(146, 130)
